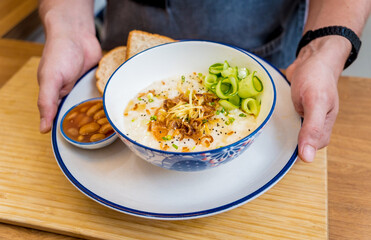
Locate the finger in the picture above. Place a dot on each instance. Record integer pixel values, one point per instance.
(48, 100)
(311, 133)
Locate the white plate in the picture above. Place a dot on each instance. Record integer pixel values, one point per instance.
(117, 178)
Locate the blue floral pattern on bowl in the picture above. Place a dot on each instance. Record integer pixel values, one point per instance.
(196, 161)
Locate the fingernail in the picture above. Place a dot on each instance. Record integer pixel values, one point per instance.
(308, 153)
(43, 127)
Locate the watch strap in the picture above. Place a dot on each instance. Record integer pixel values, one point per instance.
(333, 30)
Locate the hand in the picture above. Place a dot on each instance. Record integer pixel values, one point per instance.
(64, 60)
(313, 76)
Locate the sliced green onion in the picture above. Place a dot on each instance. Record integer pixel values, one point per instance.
(153, 118)
(258, 85)
(219, 91)
(242, 115)
(210, 80)
(167, 137)
(234, 83)
(229, 72)
(235, 100)
(230, 121)
(175, 146)
(225, 87)
(250, 86)
(227, 105)
(250, 106)
(150, 100)
(222, 90)
(242, 73)
(225, 65)
(216, 68)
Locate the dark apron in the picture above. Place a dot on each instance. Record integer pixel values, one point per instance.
(268, 28)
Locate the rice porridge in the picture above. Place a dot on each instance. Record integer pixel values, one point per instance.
(181, 114)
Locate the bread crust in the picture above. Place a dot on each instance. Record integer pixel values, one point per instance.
(110, 61)
(132, 34)
(101, 73)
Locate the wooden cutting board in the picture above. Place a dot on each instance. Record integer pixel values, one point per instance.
(35, 193)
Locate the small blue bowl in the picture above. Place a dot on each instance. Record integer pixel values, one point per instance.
(87, 145)
(175, 59)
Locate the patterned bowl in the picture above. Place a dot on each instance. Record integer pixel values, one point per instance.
(174, 59)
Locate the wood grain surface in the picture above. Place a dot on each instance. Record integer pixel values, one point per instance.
(13, 54)
(14, 11)
(35, 193)
(349, 162)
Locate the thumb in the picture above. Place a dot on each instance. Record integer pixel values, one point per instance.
(48, 99)
(311, 132)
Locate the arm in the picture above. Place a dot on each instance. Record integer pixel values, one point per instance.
(71, 48)
(315, 72)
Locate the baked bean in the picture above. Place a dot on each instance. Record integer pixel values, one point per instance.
(89, 128)
(95, 108)
(84, 109)
(102, 121)
(71, 116)
(105, 128)
(80, 138)
(73, 131)
(98, 115)
(97, 136)
(78, 118)
(84, 121)
(87, 122)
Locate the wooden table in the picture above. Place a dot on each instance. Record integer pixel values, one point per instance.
(12, 12)
(349, 154)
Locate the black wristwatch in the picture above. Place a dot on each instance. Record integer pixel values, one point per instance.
(333, 30)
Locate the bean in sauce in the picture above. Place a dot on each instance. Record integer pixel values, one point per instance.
(87, 122)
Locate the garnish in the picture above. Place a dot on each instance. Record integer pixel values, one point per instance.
(233, 85)
(186, 115)
(167, 137)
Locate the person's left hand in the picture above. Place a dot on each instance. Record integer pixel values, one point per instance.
(313, 76)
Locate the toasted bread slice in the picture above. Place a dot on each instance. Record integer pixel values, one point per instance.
(108, 64)
(140, 40)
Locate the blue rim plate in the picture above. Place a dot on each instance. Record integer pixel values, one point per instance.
(116, 178)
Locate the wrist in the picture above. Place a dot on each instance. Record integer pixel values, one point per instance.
(72, 34)
(58, 24)
(333, 50)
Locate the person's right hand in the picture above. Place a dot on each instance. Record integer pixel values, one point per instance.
(65, 58)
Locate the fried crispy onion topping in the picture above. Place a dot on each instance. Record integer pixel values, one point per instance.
(185, 116)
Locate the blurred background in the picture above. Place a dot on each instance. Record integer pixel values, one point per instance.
(19, 20)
